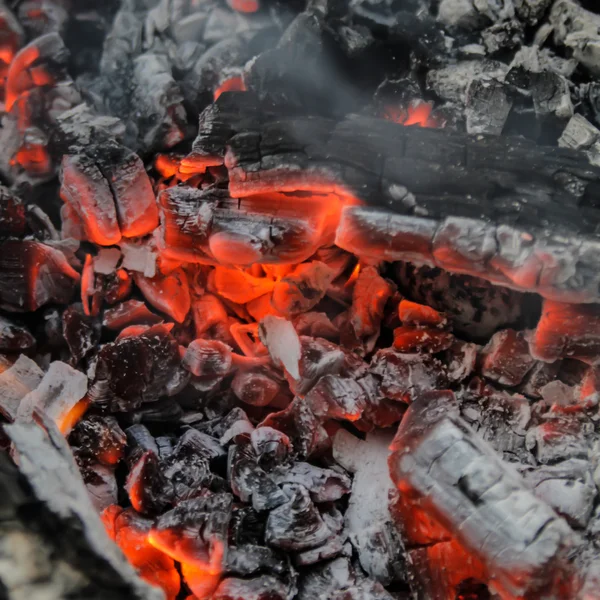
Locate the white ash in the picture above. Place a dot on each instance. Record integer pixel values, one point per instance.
(16, 382)
(139, 257)
(282, 342)
(106, 261)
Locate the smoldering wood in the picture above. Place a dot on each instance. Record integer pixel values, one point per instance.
(53, 542)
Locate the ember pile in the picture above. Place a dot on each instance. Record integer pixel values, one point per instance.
(300, 299)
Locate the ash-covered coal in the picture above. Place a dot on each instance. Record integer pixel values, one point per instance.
(311, 290)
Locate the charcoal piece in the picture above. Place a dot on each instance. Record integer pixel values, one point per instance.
(502, 422)
(506, 358)
(236, 423)
(460, 14)
(507, 35)
(558, 437)
(150, 492)
(473, 307)
(16, 383)
(45, 461)
(567, 487)
(296, 524)
(566, 330)
(404, 377)
(577, 29)
(248, 559)
(531, 11)
(247, 527)
(101, 484)
(324, 485)
(579, 134)
(80, 332)
(336, 397)
(316, 324)
(249, 482)
(14, 337)
(60, 396)
(538, 376)
(168, 293)
(99, 437)
(334, 546)
(327, 580)
(12, 213)
(209, 360)
(255, 388)
(264, 587)
(33, 274)
(302, 289)
(460, 359)
(517, 536)
(130, 531)
(188, 467)
(271, 447)
(192, 530)
(488, 105)
(130, 312)
(152, 356)
(408, 339)
(371, 532)
(302, 428)
(139, 441)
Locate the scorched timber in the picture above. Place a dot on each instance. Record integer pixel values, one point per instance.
(517, 214)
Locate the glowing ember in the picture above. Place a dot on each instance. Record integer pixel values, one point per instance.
(418, 113)
(233, 84)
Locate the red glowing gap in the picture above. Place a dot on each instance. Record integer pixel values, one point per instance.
(418, 113)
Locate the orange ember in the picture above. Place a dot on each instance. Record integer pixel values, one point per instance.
(233, 84)
(245, 6)
(67, 421)
(418, 113)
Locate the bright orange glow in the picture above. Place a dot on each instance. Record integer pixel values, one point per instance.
(419, 314)
(245, 6)
(18, 79)
(413, 339)
(66, 422)
(167, 165)
(168, 293)
(233, 84)
(201, 575)
(353, 276)
(87, 284)
(418, 113)
(33, 158)
(239, 287)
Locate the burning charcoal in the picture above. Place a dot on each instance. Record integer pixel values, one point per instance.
(567, 330)
(61, 395)
(248, 559)
(559, 437)
(14, 338)
(414, 339)
(16, 383)
(195, 531)
(506, 358)
(327, 580)
(208, 360)
(131, 535)
(150, 492)
(238, 286)
(411, 313)
(567, 487)
(168, 293)
(249, 482)
(117, 287)
(100, 483)
(271, 447)
(165, 446)
(302, 289)
(405, 376)
(80, 333)
(235, 423)
(517, 536)
(460, 359)
(131, 312)
(264, 587)
(538, 376)
(337, 397)
(99, 437)
(316, 324)
(247, 526)
(473, 307)
(33, 274)
(300, 425)
(188, 467)
(296, 525)
(255, 388)
(139, 441)
(488, 106)
(12, 210)
(371, 532)
(324, 485)
(153, 356)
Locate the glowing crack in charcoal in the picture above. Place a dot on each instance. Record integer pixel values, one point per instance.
(298, 346)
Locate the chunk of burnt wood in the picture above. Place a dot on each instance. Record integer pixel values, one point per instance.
(130, 312)
(488, 104)
(12, 214)
(81, 333)
(296, 524)
(48, 466)
(150, 492)
(99, 437)
(249, 559)
(16, 382)
(506, 358)
(258, 588)
(436, 456)
(14, 337)
(154, 358)
(33, 274)
(324, 485)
